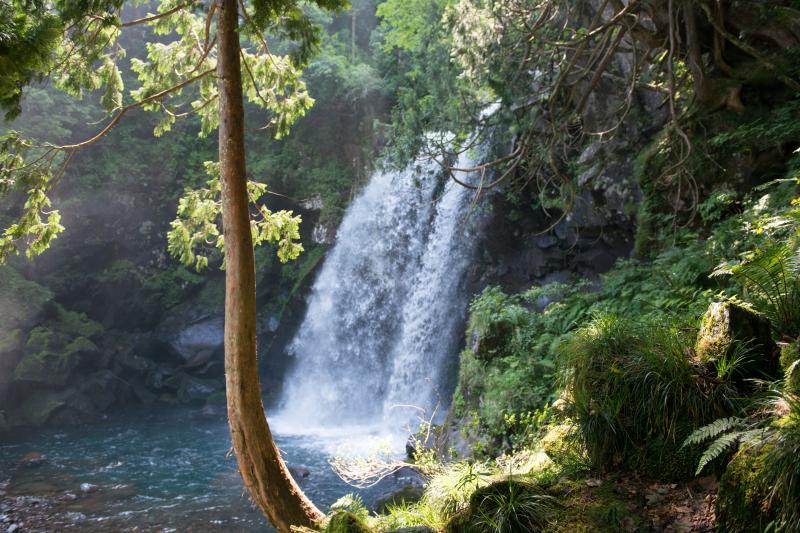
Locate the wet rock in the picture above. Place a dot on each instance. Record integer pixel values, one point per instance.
(32, 460)
(273, 323)
(194, 389)
(212, 411)
(322, 234)
(88, 488)
(546, 241)
(201, 358)
(313, 203)
(13, 528)
(414, 529)
(589, 153)
(299, 472)
(101, 389)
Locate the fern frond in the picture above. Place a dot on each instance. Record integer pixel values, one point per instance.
(717, 448)
(713, 430)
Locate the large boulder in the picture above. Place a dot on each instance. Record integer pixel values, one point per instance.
(730, 330)
(203, 335)
(50, 359)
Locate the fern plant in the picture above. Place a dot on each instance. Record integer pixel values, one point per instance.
(726, 434)
(772, 281)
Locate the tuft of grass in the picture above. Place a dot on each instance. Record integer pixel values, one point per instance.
(506, 506)
(634, 382)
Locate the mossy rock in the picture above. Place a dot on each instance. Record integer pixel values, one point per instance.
(50, 358)
(790, 354)
(347, 522)
(740, 505)
(726, 328)
(39, 407)
(561, 444)
(57, 347)
(514, 505)
(491, 342)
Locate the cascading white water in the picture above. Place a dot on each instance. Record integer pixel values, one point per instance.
(384, 313)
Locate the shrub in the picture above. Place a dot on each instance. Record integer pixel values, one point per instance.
(634, 385)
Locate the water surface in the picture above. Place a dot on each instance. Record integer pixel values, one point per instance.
(160, 469)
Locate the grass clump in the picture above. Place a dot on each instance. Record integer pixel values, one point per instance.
(636, 391)
(348, 516)
(505, 506)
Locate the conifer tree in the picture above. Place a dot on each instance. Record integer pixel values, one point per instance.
(204, 59)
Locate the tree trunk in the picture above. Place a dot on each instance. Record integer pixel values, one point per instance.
(260, 464)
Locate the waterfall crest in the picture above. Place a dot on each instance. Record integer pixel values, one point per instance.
(386, 310)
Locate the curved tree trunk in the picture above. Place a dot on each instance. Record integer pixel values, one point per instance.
(260, 464)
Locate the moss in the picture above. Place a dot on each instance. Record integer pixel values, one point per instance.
(37, 408)
(76, 324)
(790, 354)
(168, 288)
(11, 342)
(58, 347)
(590, 510)
(347, 522)
(561, 443)
(49, 362)
(740, 505)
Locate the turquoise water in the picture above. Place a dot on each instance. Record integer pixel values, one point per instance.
(160, 469)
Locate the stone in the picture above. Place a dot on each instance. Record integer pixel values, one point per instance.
(193, 389)
(727, 327)
(101, 389)
(414, 529)
(589, 153)
(205, 334)
(13, 528)
(33, 459)
(299, 472)
(545, 241)
(89, 488)
(322, 234)
(212, 411)
(313, 203)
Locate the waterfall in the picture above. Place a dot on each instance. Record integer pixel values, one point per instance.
(385, 312)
